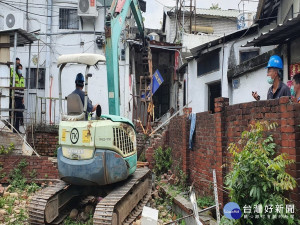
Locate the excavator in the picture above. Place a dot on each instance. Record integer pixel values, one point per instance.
(98, 156)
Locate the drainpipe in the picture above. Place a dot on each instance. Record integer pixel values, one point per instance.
(48, 41)
(27, 79)
(222, 74)
(14, 79)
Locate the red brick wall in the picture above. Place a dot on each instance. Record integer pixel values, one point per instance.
(215, 131)
(45, 168)
(45, 139)
(156, 141)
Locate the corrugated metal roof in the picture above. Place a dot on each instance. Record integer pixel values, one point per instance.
(209, 12)
(23, 37)
(218, 12)
(278, 35)
(237, 34)
(267, 11)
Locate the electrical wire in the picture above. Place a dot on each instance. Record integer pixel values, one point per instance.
(41, 4)
(23, 9)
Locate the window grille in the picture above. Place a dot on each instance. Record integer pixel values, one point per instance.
(68, 19)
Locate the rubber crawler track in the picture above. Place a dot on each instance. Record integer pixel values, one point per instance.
(104, 211)
(38, 202)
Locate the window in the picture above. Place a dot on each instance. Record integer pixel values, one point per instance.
(31, 81)
(208, 62)
(246, 55)
(68, 19)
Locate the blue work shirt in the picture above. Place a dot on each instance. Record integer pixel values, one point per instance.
(81, 95)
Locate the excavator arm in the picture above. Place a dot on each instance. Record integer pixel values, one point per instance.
(113, 27)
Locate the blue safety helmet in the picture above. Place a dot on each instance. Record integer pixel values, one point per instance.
(79, 79)
(275, 62)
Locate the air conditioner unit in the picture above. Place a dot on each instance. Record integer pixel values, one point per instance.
(87, 8)
(14, 20)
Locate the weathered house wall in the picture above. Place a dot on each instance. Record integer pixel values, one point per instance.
(251, 74)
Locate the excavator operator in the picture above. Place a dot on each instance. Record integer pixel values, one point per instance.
(79, 81)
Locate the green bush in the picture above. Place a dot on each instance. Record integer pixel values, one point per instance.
(5, 151)
(16, 177)
(204, 202)
(258, 175)
(163, 160)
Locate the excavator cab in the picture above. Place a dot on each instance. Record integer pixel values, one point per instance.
(99, 151)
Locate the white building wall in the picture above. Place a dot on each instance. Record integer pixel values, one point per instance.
(221, 25)
(170, 29)
(252, 81)
(4, 101)
(198, 87)
(193, 40)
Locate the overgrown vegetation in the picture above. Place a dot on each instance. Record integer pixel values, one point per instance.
(16, 177)
(69, 221)
(258, 176)
(18, 181)
(6, 150)
(14, 199)
(163, 160)
(204, 202)
(181, 177)
(142, 157)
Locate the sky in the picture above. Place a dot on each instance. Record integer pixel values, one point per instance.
(154, 14)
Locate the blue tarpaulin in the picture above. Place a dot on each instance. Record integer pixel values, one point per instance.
(192, 117)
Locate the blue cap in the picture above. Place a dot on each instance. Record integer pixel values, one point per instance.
(275, 62)
(79, 79)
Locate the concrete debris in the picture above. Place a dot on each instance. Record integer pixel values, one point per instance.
(14, 195)
(149, 216)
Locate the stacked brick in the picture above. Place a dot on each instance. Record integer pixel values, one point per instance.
(214, 133)
(38, 168)
(44, 139)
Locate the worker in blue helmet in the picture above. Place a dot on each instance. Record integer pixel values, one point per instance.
(275, 77)
(79, 81)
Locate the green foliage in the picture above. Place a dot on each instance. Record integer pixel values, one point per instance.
(204, 202)
(16, 177)
(2, 174)
(215, 6)
(163, 160)
(2, 202)
(258, 175)
(181, 183)
(10, 206)
(5, 151)
(142, 157)
(69, 221)
(17, 180)
(31, 188)
(33, 174)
